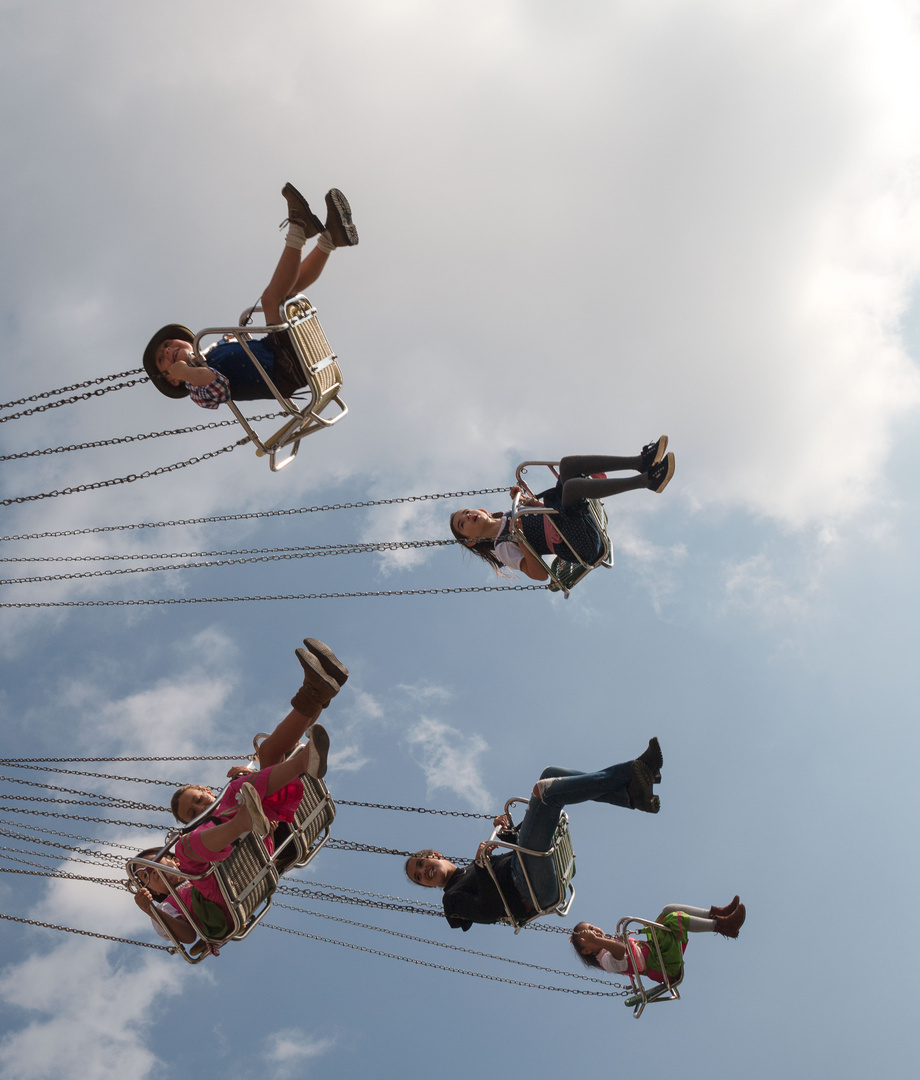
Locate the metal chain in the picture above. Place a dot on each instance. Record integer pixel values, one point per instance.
(44, 872)
(5, 830)
(128, 438)
(87, 933)
(338, 549)
(258, 514)
(77, 817)
(129, 479)
(412, 809)
(444, 967)
(115, 801)
(75, 386)
(320, 549)
(446, 945)
(290, 596)
(68, 401)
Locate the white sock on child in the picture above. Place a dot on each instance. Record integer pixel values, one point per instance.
(324, 243)
(295, 236)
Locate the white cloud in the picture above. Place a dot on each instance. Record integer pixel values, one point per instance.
(288, 1051)
(93, 1013)
(450, 760)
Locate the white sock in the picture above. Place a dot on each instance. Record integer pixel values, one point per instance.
(325, 243)
(295, 236)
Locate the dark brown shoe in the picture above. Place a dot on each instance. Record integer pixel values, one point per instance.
(299, 212)
(640, 789)
(318, 687)
(338, 220)
(653, 758)
(729, 925)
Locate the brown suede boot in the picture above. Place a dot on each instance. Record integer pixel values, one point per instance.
(721, 912)
(729, 925)
(640, 789)
(318, 688)
(332, 665)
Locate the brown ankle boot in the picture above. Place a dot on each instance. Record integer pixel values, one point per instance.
(721, 912)
(332, 665)
(318, 688)
(729, 925)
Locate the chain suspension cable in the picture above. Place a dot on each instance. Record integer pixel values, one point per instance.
(127, 438)
(70, 389)
(115, 801)
(69, 401)
(101, 858)
(289, 553)
(291, 511)
(129, 479)
(44, 871)
(6, 827)
(447, 945)
(255, 599)
(343, 548)
(88, 933)
(444, 967)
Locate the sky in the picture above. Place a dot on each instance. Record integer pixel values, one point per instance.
(581, 226)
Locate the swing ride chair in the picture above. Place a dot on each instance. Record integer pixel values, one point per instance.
(564, 575)
(664, 991)
(318, 364)
(248, 877)
(563, 861)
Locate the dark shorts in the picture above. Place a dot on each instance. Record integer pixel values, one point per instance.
(287, 373)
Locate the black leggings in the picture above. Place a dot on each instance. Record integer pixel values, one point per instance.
(575, 477)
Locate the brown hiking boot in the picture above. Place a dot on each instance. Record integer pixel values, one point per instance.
(729, 925)
(721, 912)
(653, 758)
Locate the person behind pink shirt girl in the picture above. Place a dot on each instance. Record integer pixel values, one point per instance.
(597, 949)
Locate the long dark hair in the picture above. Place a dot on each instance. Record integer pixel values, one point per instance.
(588, 959)
(484, 548)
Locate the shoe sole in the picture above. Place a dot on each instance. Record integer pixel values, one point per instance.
(331, 664)
(668, 474)
(319, 741)
(315, 675)
(344, 228)
(250, 799)
(310, 220)
(659, 453)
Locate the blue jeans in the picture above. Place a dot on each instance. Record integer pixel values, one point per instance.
(536, 832)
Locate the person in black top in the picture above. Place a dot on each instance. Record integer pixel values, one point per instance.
(470, 895)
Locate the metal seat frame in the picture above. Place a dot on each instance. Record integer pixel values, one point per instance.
(564, 575)
(663, 991)
(318, 364)
(248, 877)
(563, 862)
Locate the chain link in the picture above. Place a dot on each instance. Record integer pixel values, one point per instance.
(75, 386)
(68, 401)
(115, 801)
(412, 809)
(278, 555)
(252, 599)
(446, 945)
(252, 516)
(88, 933)
(444, 967)
(129, 438)
(129, 479)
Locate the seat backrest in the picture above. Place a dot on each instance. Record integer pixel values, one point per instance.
(309, 830)
(247, 880)
(312, 348)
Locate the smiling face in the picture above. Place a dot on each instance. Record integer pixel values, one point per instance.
(433, 871)
(473, 525)
(193, 801)
(168, 353)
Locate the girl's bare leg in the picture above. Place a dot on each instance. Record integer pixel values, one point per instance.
(310, 269)
(223, 835)
(287, 771)
(285, 737)
(282, 285)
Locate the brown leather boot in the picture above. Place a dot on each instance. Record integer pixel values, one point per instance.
(729, 925)
(640, 789)
(721, 912)
(318, 688)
